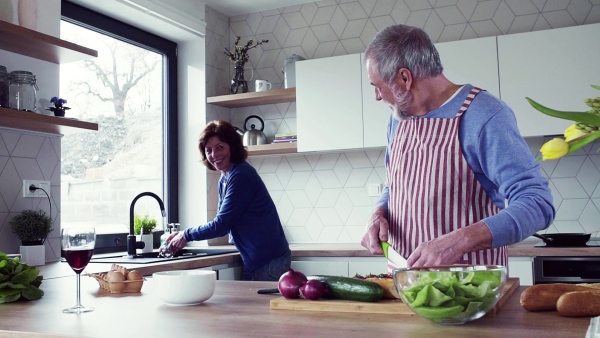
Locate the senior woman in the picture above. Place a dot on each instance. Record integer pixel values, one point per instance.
(245, 209)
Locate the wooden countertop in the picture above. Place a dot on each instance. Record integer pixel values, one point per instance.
(236, 310)
(523, 249)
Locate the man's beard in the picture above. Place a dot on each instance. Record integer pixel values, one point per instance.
(402, 99)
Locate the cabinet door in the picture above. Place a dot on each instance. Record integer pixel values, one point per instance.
(376, 114)
(329, 103)
(553, 67)
(364, 267)
(332, 268)
(521, 267)
(472, 61)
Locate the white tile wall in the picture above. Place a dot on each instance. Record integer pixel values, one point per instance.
(31, 156)
(324, 198)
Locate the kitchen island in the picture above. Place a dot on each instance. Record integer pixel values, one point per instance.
(236, 310)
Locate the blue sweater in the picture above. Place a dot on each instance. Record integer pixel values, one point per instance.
(246, 211)
(502, 163)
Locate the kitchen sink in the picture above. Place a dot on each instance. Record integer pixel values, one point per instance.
(152, 257)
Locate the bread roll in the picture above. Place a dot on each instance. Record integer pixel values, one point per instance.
(543, 297)
(579, 304)
(590, 285)
(389, 289)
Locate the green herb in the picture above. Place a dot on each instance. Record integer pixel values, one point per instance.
(144, 223)
(18, 280)
(457, 295)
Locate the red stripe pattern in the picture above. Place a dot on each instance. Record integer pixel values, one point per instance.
(433, 191)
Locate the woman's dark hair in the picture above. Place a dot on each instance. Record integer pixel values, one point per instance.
(226, 133)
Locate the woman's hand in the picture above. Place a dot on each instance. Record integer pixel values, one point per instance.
(177, 241)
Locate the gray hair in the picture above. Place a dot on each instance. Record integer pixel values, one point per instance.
(401, 46)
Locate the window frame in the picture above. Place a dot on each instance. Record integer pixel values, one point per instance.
(95, 21)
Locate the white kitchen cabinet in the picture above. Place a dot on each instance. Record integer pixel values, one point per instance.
(554, 67)
(376, 114)
(331, 268)
(521, 267)
(367, 265)
(329, 103)
(340, 266)
(472, 61)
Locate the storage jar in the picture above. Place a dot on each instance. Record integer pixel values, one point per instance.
(3, 87)
(22, 90)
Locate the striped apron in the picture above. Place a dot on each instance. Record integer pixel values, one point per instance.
(433, 191)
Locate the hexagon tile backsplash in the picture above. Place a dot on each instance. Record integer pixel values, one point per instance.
(323, 197)
(29, 156)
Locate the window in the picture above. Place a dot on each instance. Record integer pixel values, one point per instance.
(130, 90)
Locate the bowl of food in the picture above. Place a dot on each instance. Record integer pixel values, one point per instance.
(451, 294)
(184, 287)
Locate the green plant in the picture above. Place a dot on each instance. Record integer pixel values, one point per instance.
(32, 227)
(145, 222)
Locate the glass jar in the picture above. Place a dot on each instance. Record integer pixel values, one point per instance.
(22, 90)
(3, 87)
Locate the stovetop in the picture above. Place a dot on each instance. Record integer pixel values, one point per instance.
(593, 242)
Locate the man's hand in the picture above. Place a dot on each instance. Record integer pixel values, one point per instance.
(377, 230)
(449, 248)
(177, 241)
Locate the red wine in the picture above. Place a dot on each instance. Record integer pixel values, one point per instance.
(78, 259)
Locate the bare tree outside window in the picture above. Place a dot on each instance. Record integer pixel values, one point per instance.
(101, 172)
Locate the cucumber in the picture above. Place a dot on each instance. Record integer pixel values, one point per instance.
(351, 288)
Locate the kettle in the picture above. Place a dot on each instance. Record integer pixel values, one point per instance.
(253, 136)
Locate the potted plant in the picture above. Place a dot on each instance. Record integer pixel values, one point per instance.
(143, 226)
(59, 109)
(32, 227)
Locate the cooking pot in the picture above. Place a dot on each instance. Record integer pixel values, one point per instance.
(253, 136)
(565, 239)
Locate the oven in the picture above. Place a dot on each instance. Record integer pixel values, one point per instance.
(547, 269)
(580, 269)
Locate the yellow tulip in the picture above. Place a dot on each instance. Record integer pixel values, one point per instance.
(554, 149)
(573, 134)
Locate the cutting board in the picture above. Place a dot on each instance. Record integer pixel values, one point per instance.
(395, 307)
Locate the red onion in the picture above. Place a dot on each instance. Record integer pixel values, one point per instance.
(290, 283)
(313, 289)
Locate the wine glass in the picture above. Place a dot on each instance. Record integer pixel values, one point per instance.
(78, 248)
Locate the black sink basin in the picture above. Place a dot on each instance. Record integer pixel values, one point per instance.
(152, 257)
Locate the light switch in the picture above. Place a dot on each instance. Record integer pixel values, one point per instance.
(375, 189)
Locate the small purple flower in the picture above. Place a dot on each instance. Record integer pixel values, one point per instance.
(58, 108)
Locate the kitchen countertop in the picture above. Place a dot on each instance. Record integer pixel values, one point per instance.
(236, 310)
(523, 249)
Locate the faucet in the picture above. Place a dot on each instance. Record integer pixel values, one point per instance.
(132, 244)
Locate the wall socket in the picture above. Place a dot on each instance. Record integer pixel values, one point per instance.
(37, 193)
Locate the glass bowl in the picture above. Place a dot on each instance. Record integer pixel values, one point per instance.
(450, 294)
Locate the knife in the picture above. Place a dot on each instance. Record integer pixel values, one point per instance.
(392, 255)
(267, 291)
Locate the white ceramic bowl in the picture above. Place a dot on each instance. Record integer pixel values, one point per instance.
(184, 287)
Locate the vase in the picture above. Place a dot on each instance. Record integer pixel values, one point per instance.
(27, 12)
(59, 112)
(148, 241)
(33, 255)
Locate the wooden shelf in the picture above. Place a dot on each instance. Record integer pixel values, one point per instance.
(254, 98)
(273, 149)
(16, 39)
(11, 118)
